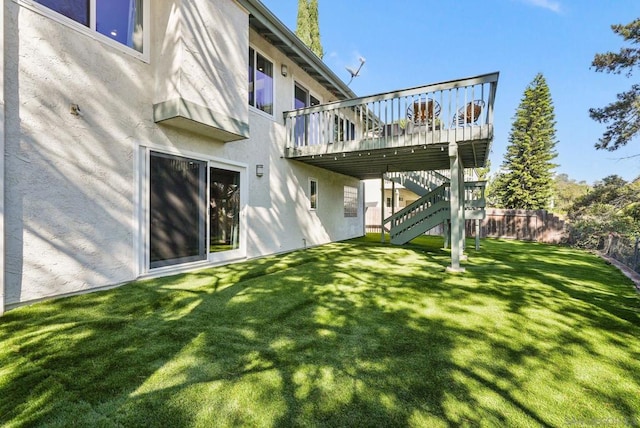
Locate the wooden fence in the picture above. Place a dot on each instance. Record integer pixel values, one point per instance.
(526, 225)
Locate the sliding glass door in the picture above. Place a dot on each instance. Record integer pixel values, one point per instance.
(194, 210)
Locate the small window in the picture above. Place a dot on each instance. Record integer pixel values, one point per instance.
(388, 202)
(313, 193)
(260, 82)
(350, 201)
(119, 20)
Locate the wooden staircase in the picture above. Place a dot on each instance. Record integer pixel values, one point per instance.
(433, 208)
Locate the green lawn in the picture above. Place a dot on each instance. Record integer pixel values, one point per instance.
(348, 334)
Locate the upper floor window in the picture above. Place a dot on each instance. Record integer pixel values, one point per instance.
(260, 82)
(119, 20)
(307, 127)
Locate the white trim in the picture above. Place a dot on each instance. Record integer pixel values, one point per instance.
(309, 92)
(241, 252)
(315, 180)
(139, 171)
(91, 30)
(271, 115)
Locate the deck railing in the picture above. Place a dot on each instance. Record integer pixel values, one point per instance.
(418, 115)
(474, 199)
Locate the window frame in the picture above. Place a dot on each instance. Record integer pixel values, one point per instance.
(351, 196)
(257, 52)
(313, 194)
(143, 214)
(309, 121)
(91, 30)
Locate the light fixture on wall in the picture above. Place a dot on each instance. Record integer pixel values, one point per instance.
(284, 70)
(74, 109)
(259, 170)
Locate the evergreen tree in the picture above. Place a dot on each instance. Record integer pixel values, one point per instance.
(526, 178)
(303, 24)
(315, 45)
(623, 115)
(308, 27)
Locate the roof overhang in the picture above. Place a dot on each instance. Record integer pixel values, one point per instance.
(265, 23)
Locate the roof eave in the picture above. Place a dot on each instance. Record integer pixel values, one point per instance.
(270, 27)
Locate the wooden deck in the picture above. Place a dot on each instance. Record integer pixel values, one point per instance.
(408, 130)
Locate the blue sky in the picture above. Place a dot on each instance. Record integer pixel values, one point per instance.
(414, 42)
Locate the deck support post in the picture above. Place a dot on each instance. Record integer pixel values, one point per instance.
(393, 197)
(456, 208)
(477, 234)
(462, 220)
(446, 230)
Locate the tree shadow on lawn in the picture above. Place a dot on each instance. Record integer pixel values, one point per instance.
(344, 334)
(284, 341)
(580, 307)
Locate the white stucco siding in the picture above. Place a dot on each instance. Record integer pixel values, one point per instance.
(203, 57)
(279, 216)
(70, 182)
(72, 187)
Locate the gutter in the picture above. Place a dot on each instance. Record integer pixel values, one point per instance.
(289, 39)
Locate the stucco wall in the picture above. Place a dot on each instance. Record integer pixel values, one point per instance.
(202, 58)
(72, 182)
(70, 186)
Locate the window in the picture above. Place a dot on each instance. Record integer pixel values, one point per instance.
(260, 82)
(313, 193)
(192, 203)
(119, 20)
(306, 127)
(350, 201)
(388, 202)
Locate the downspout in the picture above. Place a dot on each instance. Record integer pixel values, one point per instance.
(2, 161)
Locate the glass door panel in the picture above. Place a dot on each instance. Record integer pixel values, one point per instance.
(224, 210)
(177, 229)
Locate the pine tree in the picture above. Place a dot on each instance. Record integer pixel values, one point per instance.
(308, 27)
(526, 180)
(623, 115)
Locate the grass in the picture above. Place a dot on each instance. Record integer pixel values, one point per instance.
(348, 334)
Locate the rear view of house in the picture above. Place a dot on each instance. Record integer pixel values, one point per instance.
(145, 138)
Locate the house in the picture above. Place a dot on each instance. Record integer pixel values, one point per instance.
(149, 138)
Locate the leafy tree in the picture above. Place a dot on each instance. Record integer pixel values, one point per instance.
(308, 27)
(612, 207)
(623, 115)
(567, 192)
(526, 177)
